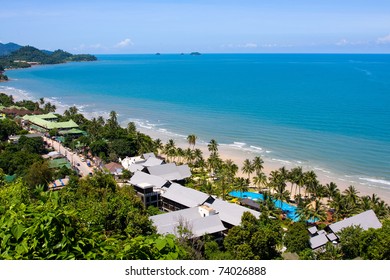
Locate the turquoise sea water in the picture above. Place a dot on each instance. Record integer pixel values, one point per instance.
(329, 112)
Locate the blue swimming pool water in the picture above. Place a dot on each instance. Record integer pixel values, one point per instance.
(290, 210)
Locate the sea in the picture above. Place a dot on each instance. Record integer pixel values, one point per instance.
(325, 112)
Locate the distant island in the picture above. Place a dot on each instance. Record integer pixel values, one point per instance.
(195, 53)
(14, 56)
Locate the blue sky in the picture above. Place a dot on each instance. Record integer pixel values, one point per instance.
(216, 26)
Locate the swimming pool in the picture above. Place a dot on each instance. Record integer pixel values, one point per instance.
(290, 210)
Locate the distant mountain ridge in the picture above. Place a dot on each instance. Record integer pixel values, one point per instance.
(6, 49)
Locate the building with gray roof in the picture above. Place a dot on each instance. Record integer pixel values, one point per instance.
(146, 156)
(230, 213)
(142, 180)
(193, 219)
(152, 161)
(148, 187)
(170, 171)
(177, 197)
(365, 220)
(318, 241)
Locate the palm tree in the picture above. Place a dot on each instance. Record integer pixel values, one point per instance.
(258, 164)
(332, 190)
(198, 154)
(247, 168)
(311, 182)
(191, 140)
(170, 149)
(213, 146)
(318, 211)
(158, 145)
(214, 162)
(351, 195)
(241, 185)
(260, 180)
(180, 153)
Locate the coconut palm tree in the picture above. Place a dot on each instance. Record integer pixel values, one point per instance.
(260, 180)
(192, 140)
(170, 149)
(214, 162)
(258, 164)
(241, 185)
(158, 145)
(198, 154)
(311, 182)
(318, 211)
(351, 194)
(278, 183)
(332, 190)
(247, 168)
(213, 146)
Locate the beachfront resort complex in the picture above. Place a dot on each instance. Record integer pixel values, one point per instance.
(135, 197)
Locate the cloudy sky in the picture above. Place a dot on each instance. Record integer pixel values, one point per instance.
(215, 26)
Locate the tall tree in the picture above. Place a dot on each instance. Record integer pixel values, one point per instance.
(247, 168)
(192, 140)
(213, 146)
(258, 164)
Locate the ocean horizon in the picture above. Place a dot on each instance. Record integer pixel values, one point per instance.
(325, 112)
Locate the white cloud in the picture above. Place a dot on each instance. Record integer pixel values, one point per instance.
(384, 39)
(248, 45)
(125, 43)
(245, 46)
(342, 42)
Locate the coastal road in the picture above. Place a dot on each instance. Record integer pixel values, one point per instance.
(74, 158)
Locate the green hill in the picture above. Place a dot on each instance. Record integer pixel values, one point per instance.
(6, 49)
(25, 56)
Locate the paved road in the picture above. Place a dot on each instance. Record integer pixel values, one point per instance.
(73, 158)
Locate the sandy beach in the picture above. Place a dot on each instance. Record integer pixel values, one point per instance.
(238, 156)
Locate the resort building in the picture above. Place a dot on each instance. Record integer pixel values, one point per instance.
(46, 122)
(177, 197)
(365, 220)
(140, 163)
(170, 171)
(15, 138)
(114, 168)
(191, 222)
(149, 188)
(230, 213)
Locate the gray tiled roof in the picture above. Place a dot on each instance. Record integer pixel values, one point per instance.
(185, 196)
(190, 218)
(142, 179)
(312, 230)
(170, 171)
(230, 212)
(318, 241)
(365, 220)
(148, 155)
(152, 161)
(331, 236)
(135, 167)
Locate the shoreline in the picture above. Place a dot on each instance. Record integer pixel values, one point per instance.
(227, 151)
(238, 157)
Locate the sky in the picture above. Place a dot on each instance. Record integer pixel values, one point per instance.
(208, 26)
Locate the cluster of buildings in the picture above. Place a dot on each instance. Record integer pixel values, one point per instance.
(159, 184)
(319, 238)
